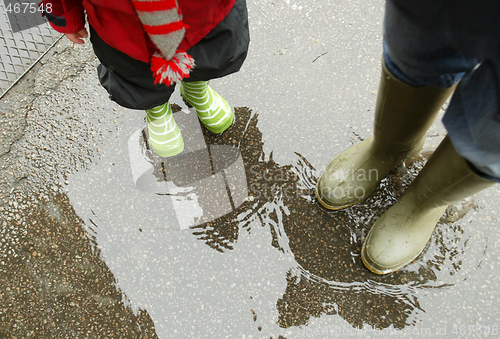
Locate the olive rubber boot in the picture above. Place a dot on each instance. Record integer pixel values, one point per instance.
(164, 135)
(402, 232)
(213, 111)
(402, 116)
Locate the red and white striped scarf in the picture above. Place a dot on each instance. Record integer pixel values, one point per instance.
(162, 21)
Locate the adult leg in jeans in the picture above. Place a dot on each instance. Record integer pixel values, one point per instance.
(418, 74)
(466, 161)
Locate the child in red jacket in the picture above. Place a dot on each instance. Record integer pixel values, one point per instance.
(146, 47)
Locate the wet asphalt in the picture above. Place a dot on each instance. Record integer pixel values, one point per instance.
(100, 238)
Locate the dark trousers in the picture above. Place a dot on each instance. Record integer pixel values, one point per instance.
(130, 82)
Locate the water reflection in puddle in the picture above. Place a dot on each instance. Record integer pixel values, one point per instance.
(204, 182)
(327, 276)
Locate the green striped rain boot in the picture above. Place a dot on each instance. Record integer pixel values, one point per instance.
(213, 111)
(164, 135)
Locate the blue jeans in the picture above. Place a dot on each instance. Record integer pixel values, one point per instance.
(473, 117)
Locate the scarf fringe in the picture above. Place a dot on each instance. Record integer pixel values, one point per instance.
(171, 71)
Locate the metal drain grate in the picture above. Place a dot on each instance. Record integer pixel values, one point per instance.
(19, 51)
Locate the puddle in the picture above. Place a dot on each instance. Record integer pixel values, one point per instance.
(116, 252)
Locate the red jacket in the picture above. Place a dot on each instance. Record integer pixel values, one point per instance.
(117, 23)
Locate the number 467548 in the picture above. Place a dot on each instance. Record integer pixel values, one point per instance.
(28, 7)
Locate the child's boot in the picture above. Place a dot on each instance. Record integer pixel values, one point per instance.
(213, 111)
(402, 116)
(164, 135)
(402, 232)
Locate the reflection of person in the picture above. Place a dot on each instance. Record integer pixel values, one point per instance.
(323, 278)
(141, 45)
(429, 46)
